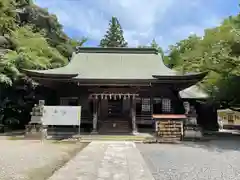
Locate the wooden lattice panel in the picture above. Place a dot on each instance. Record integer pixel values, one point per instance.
(169, 129)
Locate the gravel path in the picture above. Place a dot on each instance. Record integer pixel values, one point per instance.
(23, 160)
(215, 160)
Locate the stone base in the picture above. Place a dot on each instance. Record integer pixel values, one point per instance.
(192, 134)
(36, 132)
(94, 132)
(135, 132)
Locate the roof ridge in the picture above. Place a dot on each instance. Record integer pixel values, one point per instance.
(120, 50)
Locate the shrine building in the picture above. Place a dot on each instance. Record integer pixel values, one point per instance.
(126, 88)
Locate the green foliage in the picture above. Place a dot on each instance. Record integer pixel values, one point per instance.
(154, 44)
(177, 52)
(114, 35)
(7, 16)
(22, 3)
(30, 38)
(38, 43)
(33, 50)
(218, 52)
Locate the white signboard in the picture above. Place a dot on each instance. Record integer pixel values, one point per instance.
(61, 115)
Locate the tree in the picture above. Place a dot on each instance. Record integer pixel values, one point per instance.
(176, 52)
(218, 53)
(7, 16)
(114, 35)
(30, 38)
(155, 45)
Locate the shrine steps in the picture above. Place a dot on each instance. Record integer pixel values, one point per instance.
(115, 126)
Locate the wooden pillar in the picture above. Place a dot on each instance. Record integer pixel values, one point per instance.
(95, 115)
(133, 113)
(152, 101)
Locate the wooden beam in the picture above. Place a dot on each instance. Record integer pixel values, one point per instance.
(113, 95)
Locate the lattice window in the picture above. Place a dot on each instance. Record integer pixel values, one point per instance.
(146, 105)
(166, 105)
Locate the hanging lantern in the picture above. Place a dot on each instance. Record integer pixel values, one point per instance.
(110, 96)
(106, 97)
(124, 97)
(115, 97)
(101, 96)
(119, 95)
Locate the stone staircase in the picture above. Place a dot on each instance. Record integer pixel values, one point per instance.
(115, 126)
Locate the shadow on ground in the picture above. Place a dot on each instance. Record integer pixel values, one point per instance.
(13, 133)
(220, 145)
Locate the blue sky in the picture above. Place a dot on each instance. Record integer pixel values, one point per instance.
(168, 21)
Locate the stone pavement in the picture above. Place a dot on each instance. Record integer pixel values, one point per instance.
(106, 161)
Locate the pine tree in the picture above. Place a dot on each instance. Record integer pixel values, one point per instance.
(155, 45)
(114, 35)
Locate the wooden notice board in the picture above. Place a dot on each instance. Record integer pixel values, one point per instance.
(169, 126)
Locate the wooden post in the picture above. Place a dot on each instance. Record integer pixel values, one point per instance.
(95, 116)
(152, 101)
(133, 113)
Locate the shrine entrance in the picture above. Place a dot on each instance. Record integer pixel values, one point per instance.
(114, 112)
(115, 108)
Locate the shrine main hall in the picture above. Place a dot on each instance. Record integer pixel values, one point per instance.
(123, 89)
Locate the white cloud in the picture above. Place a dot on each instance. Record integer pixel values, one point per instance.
(142, 20)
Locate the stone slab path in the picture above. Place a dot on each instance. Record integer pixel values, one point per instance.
(106, 161)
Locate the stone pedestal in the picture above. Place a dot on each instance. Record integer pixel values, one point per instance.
(94, 132)
(193, 134)
(35, 131)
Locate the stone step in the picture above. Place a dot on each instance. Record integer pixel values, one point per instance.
(120, 127)
(115, 129)
(117, 126)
